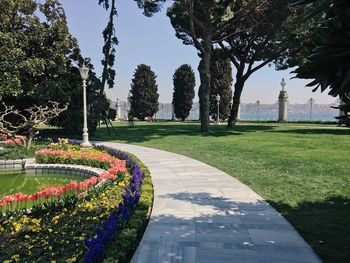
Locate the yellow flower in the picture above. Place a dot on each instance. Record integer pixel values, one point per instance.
(35, 228)
(8, 261)
(70, 260)
(50, 230)
(36, 221)
(15, 257)
(17, 226)
(55, 219)
(24, 219)
(88, 205)
(26, 236)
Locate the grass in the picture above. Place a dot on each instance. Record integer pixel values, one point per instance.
(302, 170)
(29, 183)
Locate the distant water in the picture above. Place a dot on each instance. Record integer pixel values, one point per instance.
(296, 112)
(318, 116)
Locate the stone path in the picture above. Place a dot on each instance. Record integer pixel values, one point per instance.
(203, 215)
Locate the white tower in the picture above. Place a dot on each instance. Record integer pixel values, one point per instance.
(283, 103)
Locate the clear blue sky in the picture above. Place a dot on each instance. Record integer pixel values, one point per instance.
(152, 41)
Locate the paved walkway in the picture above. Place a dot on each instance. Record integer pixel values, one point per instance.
(203, 215)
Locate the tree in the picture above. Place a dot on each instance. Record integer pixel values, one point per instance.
(198, 23)
(201, 23)
(110, 40)
(276, 38)
(34, 54)
(72, 119)
(184, 82)
(221, 83)
(328, 60)
(13, 121)
(144, 93)
(38, 58)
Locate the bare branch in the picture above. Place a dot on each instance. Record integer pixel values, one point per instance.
(12, 121)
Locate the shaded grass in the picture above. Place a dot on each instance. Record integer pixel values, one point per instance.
(303, 171)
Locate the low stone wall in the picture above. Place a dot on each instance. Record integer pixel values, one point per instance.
(29, 165)
(15, 165)
(82, 170)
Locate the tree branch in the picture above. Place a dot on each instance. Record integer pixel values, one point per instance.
(196, 43)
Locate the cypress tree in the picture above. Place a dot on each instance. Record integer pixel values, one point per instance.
(221, 83)
(144, 93)
(184, 83)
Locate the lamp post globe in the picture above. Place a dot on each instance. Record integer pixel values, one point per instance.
(84, 73)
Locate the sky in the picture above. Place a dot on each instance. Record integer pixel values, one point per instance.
(152, 41)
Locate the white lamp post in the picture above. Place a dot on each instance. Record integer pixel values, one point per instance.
(84, 73)
(218, 108)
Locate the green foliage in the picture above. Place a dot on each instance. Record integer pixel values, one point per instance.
(221, 83)
(184, 82)
(150, 7)
(72, 120)
(144, 93)
(110, 41)
(199, 23)
(37, 62)
(35, 53)
(328, 63)
(13, 151)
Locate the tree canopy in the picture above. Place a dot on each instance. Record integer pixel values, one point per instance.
(144, 95)
(110, 41)
(39, 62)
(221, 84)
(328, 60)
(184, 82)
(34, 54)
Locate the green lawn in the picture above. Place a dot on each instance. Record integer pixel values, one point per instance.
(303, 171)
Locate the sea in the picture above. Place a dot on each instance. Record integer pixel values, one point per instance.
(262, 112)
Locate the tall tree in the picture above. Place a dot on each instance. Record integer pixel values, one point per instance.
(143, 93)
(221, 84)
(276, 38)
(38, 58)
(108, 50)
(184, 82)
(34, 54)
(201, 23)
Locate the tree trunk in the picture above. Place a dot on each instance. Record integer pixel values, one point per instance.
(204, 88)
(30, 141)
(235, 103)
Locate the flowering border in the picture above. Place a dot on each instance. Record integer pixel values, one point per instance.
(105, 234)
(116, 166)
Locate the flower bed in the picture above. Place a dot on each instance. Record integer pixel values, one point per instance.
(75, 227)
(90, 157)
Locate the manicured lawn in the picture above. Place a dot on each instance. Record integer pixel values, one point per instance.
(303, 171)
